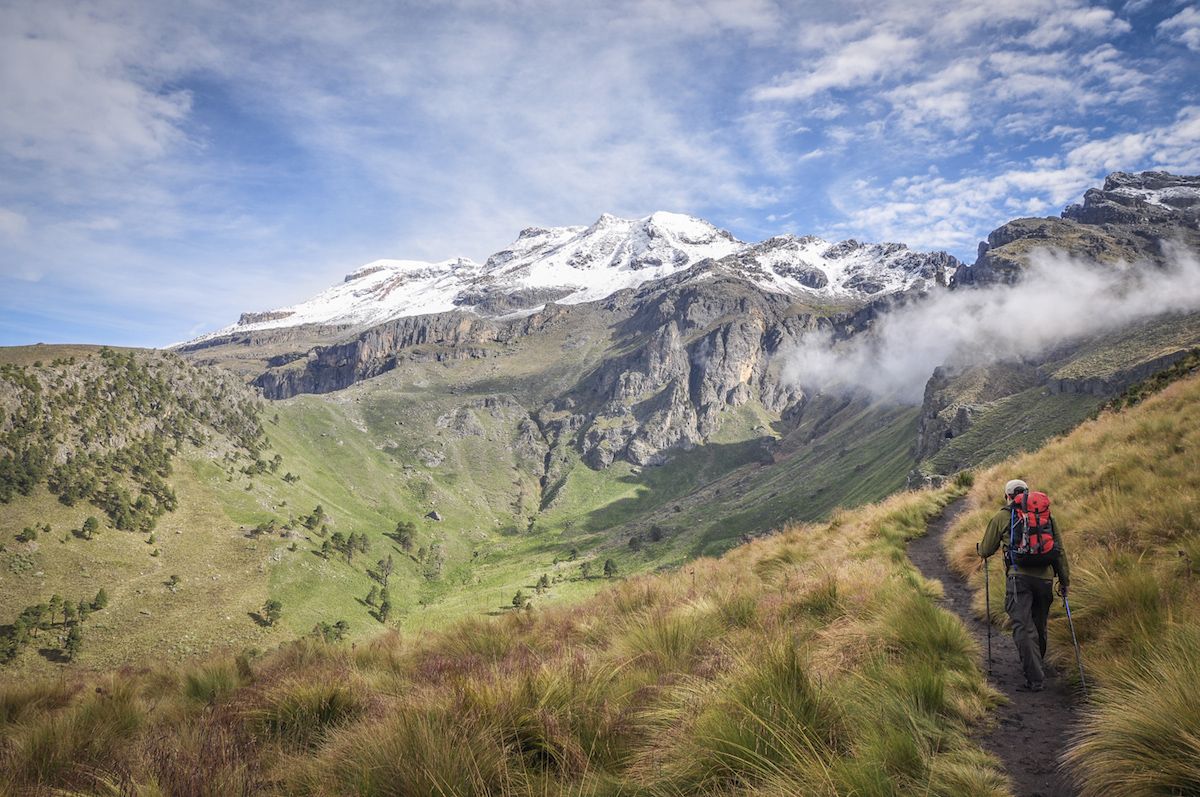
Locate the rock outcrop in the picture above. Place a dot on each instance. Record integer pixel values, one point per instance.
(454, 335)
(1134, 217)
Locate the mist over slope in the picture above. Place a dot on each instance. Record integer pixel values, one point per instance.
(1061, 298)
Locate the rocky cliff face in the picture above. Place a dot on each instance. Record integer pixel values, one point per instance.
(686, 347)
(1129, 219)
(702, 345)
(706, 338)
(453, 335)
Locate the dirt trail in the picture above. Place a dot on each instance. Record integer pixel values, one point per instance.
(1032, 728)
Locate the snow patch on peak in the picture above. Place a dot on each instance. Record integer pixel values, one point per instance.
(1175, 196)
(575, 264)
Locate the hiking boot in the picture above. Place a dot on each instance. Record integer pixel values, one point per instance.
(1030, 686)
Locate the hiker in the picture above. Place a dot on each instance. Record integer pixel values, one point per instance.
(1028, 590)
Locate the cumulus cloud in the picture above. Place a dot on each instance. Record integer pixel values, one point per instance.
(855, 63)
(1060, 299)
(1184, 28)
(192, 144)
(934, 211)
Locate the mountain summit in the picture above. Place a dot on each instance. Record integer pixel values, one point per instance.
(576, 264)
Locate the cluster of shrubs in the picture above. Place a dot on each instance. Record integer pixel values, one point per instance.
(40, 620)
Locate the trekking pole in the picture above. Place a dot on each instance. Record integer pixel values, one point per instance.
(987, 599)
(1075, 640)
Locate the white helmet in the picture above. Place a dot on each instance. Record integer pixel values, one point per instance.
(1015, 486)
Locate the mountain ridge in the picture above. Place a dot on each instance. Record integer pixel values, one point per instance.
(578, 264)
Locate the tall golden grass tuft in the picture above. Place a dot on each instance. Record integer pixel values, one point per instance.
(1125, 489)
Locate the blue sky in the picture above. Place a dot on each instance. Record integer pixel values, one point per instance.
(166, 166)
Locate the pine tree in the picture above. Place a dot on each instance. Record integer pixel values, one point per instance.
(326, 549)
(585, 570)
(340, 629)
(385, 608)
(610, 568)
(91, 527)
(100, 601)
(272, 611)
(543, 583)
(373, 596)
(404, 535)
(74, 642)
(386, 567)
(518, 600)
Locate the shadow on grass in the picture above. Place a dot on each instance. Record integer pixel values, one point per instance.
(53, 655)
(258, 619)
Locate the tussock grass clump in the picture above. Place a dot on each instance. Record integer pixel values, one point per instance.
(762, 672)
(22, 700)
(765, 719)
(300, 713)
(738, 610)
(63, 748)
(1141, 735)
(417, 749)
(1125, 490)
(212, 682)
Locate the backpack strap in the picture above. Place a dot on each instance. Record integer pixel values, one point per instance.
(1012, 536)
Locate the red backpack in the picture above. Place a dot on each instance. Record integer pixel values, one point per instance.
(1031, 531)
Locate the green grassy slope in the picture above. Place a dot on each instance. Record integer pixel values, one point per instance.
(1089, 373)
(427, 437)
(813, 662)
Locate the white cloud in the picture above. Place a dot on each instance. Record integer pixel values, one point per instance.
(854, 64)
(74, 95)
(1062, 299)
(1184, 28)
(204, 142)
(1062, 26)
(934, 212)
(946, 98)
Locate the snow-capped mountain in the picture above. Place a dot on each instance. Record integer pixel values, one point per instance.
(570, 265)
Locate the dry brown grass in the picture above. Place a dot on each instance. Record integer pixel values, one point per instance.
(1126, 491)
(811, 662)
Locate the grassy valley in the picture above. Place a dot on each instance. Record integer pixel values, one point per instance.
(814, 662)
(422, 442)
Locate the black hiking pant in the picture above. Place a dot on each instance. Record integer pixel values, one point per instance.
(1027, 599)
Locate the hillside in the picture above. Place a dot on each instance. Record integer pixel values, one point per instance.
(482, 454)
(814, 661)
(810, 662)
(1125, 488)
(423, 439)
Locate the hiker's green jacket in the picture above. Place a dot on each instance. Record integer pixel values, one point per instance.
(997, 535)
